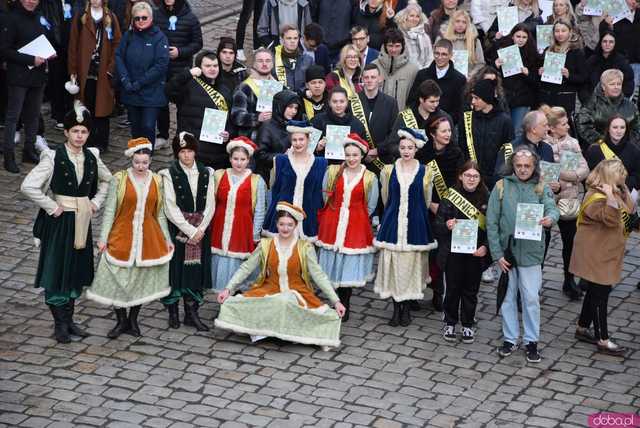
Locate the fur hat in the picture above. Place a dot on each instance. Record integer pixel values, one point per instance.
(361, 143)
(72, 87)
(184, 141)
(243, 142)
(78, 116)
(297, 212)
(410, 134)
(299, 126)
(137, 144)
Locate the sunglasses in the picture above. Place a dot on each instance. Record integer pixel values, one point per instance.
(140, 18)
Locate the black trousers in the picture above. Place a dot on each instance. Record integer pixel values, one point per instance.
(164, 120)
(3, 93)
(22, 103)
(248, 6)
(99, 136)
(567, 233)
(462, 281)
(594, 309)
(57, 95)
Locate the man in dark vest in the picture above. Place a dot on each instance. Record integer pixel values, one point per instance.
(189, 204)
(78, 181)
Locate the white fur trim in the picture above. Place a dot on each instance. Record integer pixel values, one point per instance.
(404, 247)
(343, 250)
(400, 298)
(231, 254)
(354, 284)
(130, 152)
(343, 218)
(269, 333)
(299, 129)
(361, 146)
(301, 175)
(71, 87)
(120, 304)
(239, 143)
(284, 254)
(230, 209)
(407, 136)
(295, 213)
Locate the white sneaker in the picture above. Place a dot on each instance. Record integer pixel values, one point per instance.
(489, 275)
(240, 55)
(161, 143)
(41, 143)
(16, 138)
(449, 333)
(467, 335)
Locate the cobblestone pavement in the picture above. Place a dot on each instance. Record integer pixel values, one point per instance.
(380, 376)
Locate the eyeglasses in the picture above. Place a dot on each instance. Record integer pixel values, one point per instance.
(358, 39)
(352, 57)
(471, 176)
(140, 18)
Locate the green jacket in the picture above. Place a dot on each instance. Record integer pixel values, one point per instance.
(501, 219)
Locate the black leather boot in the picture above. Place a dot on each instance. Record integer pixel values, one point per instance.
(191, 317)
(405, 314)
(344, 293)
(570, 289)
(10, 164)
(395, 318)
(60, 329)
(174, 316)
(74, 329)
(134, 329)
(29, 153)
(122, 323)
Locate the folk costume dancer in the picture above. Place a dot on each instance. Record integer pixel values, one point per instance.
(135, 242)
(78, 181)
(282, 302)
(237, 222)
(296, 178)
(404, 237)
(345, 234)
(189, 206)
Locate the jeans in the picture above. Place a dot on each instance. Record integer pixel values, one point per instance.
(248, 6)
(528, 280)
(143, 122)
(22, 103)
(517, 114)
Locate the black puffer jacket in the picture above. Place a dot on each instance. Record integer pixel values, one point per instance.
(490, 132)
(59, 27)
(273, 138)
(191, 100)
(19, 28)
(187, 36)
(364, 17)
(627, 151)
(231, 79)
(596, 64)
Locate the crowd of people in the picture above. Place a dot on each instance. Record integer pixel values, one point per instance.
(354, 131)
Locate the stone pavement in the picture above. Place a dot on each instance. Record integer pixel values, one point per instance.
(380, 376)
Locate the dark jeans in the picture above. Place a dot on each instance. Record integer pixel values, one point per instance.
(57, 95)
(594, 309)
(462, 282)
(567, 233)
(99, 136)
(248, 6)
(143, 122)
(164, 120)
(22, 103)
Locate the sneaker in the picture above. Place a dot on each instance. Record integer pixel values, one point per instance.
(60, 126)
(16, 137)
(611, 348)
(585, 335)
(489, 275)
(41, 143)
(533, 356)
(240, 56)
(467, 335)
(507, 349)
(161, 143)
(449, 333)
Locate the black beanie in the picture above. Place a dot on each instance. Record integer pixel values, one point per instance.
(485, 89)
(314, 72)
(226, 43)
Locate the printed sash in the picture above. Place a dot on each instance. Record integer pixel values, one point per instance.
(281, 72)
(438, 179)
(468, 130)
(467, 208)
(409, 118)
(358, 112)
(308, 108)
(215, 96)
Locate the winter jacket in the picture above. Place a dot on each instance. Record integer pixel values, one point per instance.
(142, 59)
(501, 218)
(295, 71)
(520, 90)
(490, 132)
(187, 35)
(397, 74)
(364, 17)
(333, 79)
(273, 138)
(627, 151)
(19, 28)
(381, 118)
(626, 36)
(593, 117)
(269, 22)
(570, 181)
(596, 64)
(334, 16)
(244, 116)
(58, 22)
(328, 118)
(449, 161)
(191, 100)
(578, 74)
(447, 211)
(452, 85)
(232, 78)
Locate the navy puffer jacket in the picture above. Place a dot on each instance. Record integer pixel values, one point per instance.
(187, 36)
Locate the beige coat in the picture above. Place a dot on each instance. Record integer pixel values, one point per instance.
(599, 244)
(570, 181)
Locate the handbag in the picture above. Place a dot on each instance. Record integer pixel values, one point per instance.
(568, 208)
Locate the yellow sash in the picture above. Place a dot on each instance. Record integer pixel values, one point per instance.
(606, 151)
(215, 96)
(625, 217)
(508, 152)
(358, 111)
(468, 130)
(308, 108)
(281, 72)
(345, 84)
(254, 85)
(467, 208)
(438, 179)
(409, 118)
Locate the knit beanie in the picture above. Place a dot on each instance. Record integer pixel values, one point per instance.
(485, 89)
(314, 72)
(226, 43)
